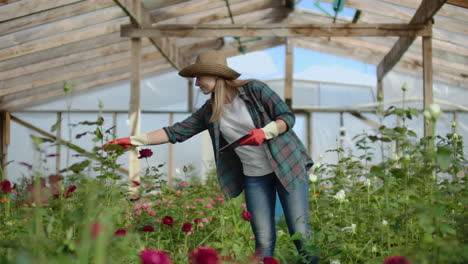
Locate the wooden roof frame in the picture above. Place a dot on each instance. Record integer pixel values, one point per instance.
(30, 58)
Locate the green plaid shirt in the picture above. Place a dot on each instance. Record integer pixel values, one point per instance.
(288, 156)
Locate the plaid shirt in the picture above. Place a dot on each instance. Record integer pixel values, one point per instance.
(288, 156)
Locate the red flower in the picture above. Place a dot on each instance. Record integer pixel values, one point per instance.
(204, 255)
(270, 260)
(145, 153)
(148, 228)
(197, 220)
(396, 260)
(6, 186)
(151, 256)
(136, 183)
(167, 220)
(246, 215)
(120, 232)
(187, 227)
(95, 229)
(69, 190)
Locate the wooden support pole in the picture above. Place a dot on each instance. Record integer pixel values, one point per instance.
(455, 118)
(59, 139)
(310, 132)
(134, 166)
(4, 139)
(190, 95)
(288, 75)
(170, 169)
(114, 125)
(427, 82)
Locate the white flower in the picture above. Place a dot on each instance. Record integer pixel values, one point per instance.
(351, 228)
(280, 232)
(321, 156)
(340, 196)
(433, 111)
(336, 261)
(384, 222)
(374, 249)
(177, 171)
(367, 183)
(313, 177)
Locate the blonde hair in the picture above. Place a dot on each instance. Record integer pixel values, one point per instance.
(219, 95)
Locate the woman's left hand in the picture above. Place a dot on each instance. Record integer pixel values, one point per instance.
(257, 136)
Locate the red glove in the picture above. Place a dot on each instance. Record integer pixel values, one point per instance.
(257, 136)
(124, 142)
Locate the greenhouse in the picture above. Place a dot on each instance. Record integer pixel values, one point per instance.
(368, 100)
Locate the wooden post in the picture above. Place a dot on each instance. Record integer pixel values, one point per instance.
(427, 82)
(288, 80)
(455, 118)
(310, 132)
(190, 95)
(170, 170)
(4, 140)
(134, 166)
(59, 138)
(114, 125)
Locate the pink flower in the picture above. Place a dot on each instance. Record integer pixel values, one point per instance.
(120, 232)
(246, 215)
(136, 207)
(138, 212)
(151, 256)
(204, 255)
(244, 205)
(148, 228)
(145, 153)
(270, 260)
(207, 220)
(396, 260)
(183, 184)
(187, 227)
(6, 186)
(152, 213)
(167, 220)
(201, 213)
(208, 205)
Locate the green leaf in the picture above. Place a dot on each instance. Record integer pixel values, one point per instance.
(411, 133)
(37, 141)
(444, 157)
(98, 133)
(81, 134)
(55, 126)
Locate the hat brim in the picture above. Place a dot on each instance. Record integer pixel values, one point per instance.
(195, 70)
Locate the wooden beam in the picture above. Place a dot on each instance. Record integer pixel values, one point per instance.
(135, 114)
(69, 72)
(427, 82)
(446, 10)
(425, 12)
(4, 139)
(54, 28)
(366, 120)
(275, 30)
(62, 39)
(53, 15)
(28, 7)
(63, 142)
(61, 51)
(288, 72)
(164, 46)
(58, 136)
(99, 80)
(459, 3)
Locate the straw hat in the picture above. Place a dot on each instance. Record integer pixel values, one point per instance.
(210, 63)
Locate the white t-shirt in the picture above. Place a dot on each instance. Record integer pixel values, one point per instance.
(236, 122)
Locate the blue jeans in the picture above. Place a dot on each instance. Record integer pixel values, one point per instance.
(260, 197)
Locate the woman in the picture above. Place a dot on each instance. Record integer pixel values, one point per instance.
(270, 160)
